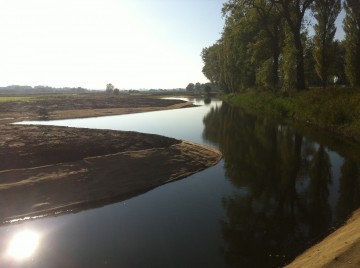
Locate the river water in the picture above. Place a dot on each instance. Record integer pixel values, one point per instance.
(278, 189)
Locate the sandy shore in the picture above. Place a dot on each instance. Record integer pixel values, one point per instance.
(47, 170)
(340, 249)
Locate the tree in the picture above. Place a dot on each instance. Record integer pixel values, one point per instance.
(211, 57)
(352, 41)
(190, 87)
(116, 91)
(109, 88)
(288, 64)
(197, 87)
(294, 12)
(207, 89)
(325, 12)
(266, 48)
(339, 64)
(238, 71)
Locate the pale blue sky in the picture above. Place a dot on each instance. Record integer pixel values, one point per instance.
(130, 43)
(89, 43)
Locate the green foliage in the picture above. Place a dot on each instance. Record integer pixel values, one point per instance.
(339, 69)
(336, 109)
(288, 64)
(116, 91)
(266, 44)
(326, 12)
(190, 87)
(207, 89)
(294, 12)
(312, 79)
(19, 98)
(264, 76)
(211, 57)
(352, 41)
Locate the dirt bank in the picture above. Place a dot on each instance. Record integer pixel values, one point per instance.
(47, 170)
(61, 106)
(339, 249)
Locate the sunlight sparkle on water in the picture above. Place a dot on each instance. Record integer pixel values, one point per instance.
(23, 245)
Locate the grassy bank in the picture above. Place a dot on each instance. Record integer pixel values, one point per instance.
(335, 109)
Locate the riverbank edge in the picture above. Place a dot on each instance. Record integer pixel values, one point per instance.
(18, 117)
(339, 249)
(332, 109)
(342, 247)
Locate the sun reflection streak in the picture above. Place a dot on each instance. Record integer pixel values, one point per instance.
(23, 245)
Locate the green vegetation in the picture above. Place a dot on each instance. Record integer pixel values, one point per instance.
(326, 12)
(35, 97)
(266, 59)
(266, 44)
(335, 109)
(16, 98)
(352, 41)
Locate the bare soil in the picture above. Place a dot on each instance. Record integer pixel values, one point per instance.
(61, 106)
(47, 170)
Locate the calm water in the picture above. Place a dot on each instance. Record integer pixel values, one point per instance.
(276, 191)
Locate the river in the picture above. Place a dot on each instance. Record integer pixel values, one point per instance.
(278, 189)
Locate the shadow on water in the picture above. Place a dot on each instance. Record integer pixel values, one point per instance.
(291, 190)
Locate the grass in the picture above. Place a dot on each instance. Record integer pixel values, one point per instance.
(336, 109)
(16, 98)
(34, 97)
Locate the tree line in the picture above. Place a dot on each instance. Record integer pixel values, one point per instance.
(267, 44)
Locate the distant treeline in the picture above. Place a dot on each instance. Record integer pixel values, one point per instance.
(15, 89)
(267, 44)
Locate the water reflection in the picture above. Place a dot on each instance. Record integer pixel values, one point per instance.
(284, 183)
(349, 189)
(19, 248)
(275, 191)
(23, 245)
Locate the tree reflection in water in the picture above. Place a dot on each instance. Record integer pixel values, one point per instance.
(284, 177)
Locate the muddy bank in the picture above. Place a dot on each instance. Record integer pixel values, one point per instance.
(49, 170)
(339, 249)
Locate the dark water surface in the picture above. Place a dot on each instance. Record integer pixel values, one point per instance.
(277, 190)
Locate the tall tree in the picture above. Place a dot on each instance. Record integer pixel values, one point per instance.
(109, 88)
(325, 12)
(288, 64)
(190, 87)
(211, 57)
(352, 41)
(265, 47)
(294, 12)
(239, 32)
(340, 62)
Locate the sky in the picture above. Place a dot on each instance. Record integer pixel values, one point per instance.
(133, 44)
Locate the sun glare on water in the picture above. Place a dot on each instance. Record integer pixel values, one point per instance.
(23, 245)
